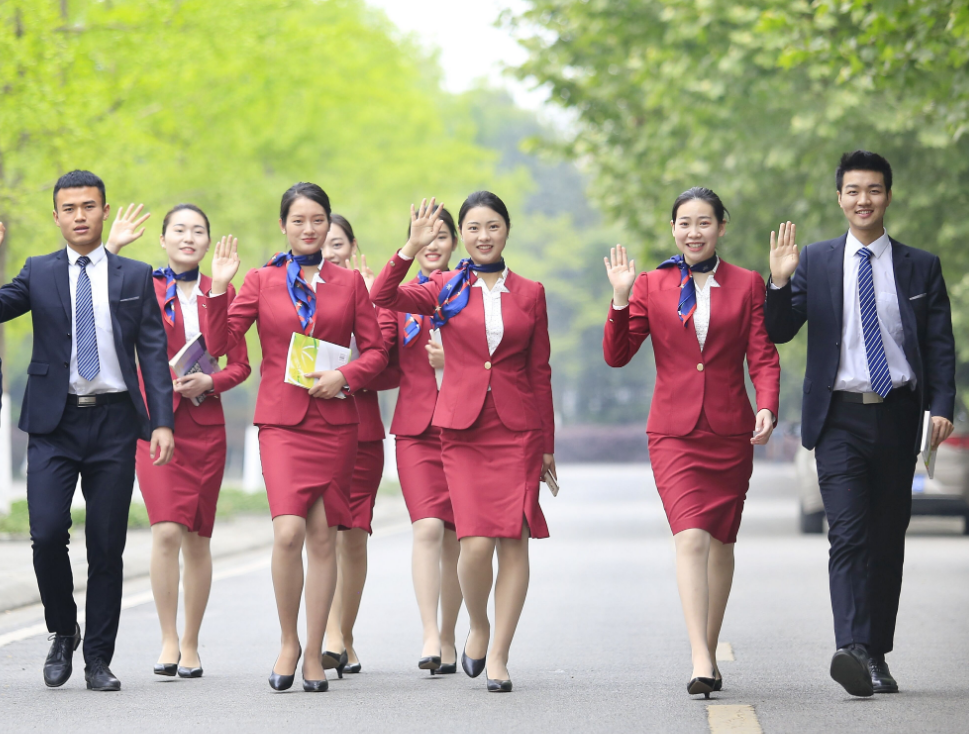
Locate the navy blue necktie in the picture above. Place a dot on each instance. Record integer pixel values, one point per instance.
(88, 364)
(880, 377)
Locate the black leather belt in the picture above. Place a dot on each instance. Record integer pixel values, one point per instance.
(94, 401)
(872, 398)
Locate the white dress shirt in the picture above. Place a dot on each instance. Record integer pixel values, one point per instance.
(190, 311)
(109, 378)
(701, 317)
(853, 366)
(494, 326)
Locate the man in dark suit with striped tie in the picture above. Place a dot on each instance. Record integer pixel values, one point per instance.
(84, 411)
(880, 354)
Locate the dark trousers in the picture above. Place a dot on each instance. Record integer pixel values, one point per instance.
(97, 443)
(866, 460)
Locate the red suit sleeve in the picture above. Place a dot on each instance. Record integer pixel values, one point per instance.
(627, 328)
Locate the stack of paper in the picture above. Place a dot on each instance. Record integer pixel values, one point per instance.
(307, 355)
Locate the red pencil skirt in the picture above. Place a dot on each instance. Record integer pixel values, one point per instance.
(368, 468)
(422, 479)
(186, 489)
(702, 479)
(305, 462)
(493, 475)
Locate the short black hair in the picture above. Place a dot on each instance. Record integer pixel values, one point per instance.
(703, 194)
(79, 180)
(306, 190)
(485, 199)
(864, 160)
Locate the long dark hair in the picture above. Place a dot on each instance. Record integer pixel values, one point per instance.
(704, 194)
(484, 198)
(190, 207)
(342, 222)
(307, 190)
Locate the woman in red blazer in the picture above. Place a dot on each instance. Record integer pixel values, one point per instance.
(368, 468)
(307, 438)
(706, 317)
(494, 409)
(434, 562)
(181, 496)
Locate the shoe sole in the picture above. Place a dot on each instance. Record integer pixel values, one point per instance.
(56, 685)
(103, 688)
(886, 689)
(852, 676)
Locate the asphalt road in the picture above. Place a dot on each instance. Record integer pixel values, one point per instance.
(601, 645)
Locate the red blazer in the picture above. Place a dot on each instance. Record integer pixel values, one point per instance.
(683, 373)
(418, 384)
(342, 308)
(518, 373)
(236, 370)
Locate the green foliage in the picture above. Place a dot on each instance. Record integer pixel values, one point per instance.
(757, 99)
(234, 501)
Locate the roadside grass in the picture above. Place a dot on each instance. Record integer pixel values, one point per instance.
(232, 501)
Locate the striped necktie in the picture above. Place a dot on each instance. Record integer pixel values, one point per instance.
(878, 374)
(88, 364)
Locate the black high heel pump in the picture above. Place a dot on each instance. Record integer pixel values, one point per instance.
(168, 669)
(338, 661)
(701, 685)
(280, 682)
(448, 668)
(191, 672)
(471, 666)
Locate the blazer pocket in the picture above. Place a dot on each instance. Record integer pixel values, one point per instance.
(920, 295)
(129, 300)
(37, 368)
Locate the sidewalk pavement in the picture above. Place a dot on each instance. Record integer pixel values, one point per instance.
(18, 585)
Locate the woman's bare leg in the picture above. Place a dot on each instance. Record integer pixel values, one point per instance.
(166, 541)
(692, 554)
(321, 575)
(289, 532)
(197, 583)
(352, 560)
(451, 597)
(720, 569)
(510, 591)
(476, 575)
(426, 570)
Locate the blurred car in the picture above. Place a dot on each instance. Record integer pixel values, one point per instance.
(947, 493)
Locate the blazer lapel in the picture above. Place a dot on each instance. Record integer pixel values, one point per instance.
(836, 280)
(62, 282)
(902, 266)
(115, 283)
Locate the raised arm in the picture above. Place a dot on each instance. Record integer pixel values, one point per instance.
(127, 228)
(237, 368)
(15, 295)
(627, 325)
(228, 329)
(785, 306)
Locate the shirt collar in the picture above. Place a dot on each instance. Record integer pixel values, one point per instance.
(191, 297)
(499, 286)
(97, 256)
(878, 247)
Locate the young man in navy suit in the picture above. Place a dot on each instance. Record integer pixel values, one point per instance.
(84, 411)
(880, 354)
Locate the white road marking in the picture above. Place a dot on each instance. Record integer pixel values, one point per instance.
(725, 719)
(725, 652)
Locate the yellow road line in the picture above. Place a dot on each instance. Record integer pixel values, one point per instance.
(725, 652)
(732, 719)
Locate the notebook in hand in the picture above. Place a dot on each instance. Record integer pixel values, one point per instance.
(193, 357)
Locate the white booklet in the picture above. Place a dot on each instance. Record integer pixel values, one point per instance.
(927, 453)
(194, 357)
(307, 355)
(438, 373)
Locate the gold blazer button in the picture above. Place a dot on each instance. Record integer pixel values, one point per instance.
(487, 365)
(699, 367)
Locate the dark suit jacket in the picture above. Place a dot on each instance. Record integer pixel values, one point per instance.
(44, 289)
(816, 294)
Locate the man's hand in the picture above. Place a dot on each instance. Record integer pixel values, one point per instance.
(162, 445)
(941, 429)
(435, 355)
(783, 254)
(125, 230)
(328, 385)
(763, 427)
(193, 385)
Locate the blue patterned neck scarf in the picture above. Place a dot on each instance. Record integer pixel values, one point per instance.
(171, 277)
(455, 294)
(414, 322)
(687, 303)
(300, 292)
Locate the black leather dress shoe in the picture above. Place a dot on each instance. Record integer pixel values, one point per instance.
(849, 667)
(100, 678)
(60, 659)
(881, 677)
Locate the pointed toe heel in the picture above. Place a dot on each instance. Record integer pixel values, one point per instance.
(499, 686)
(190, 672)
(471, 666)
(168, 669)
(280, 682)
(316, 686)
(701, 685)
(335, 661)
(431, 663)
